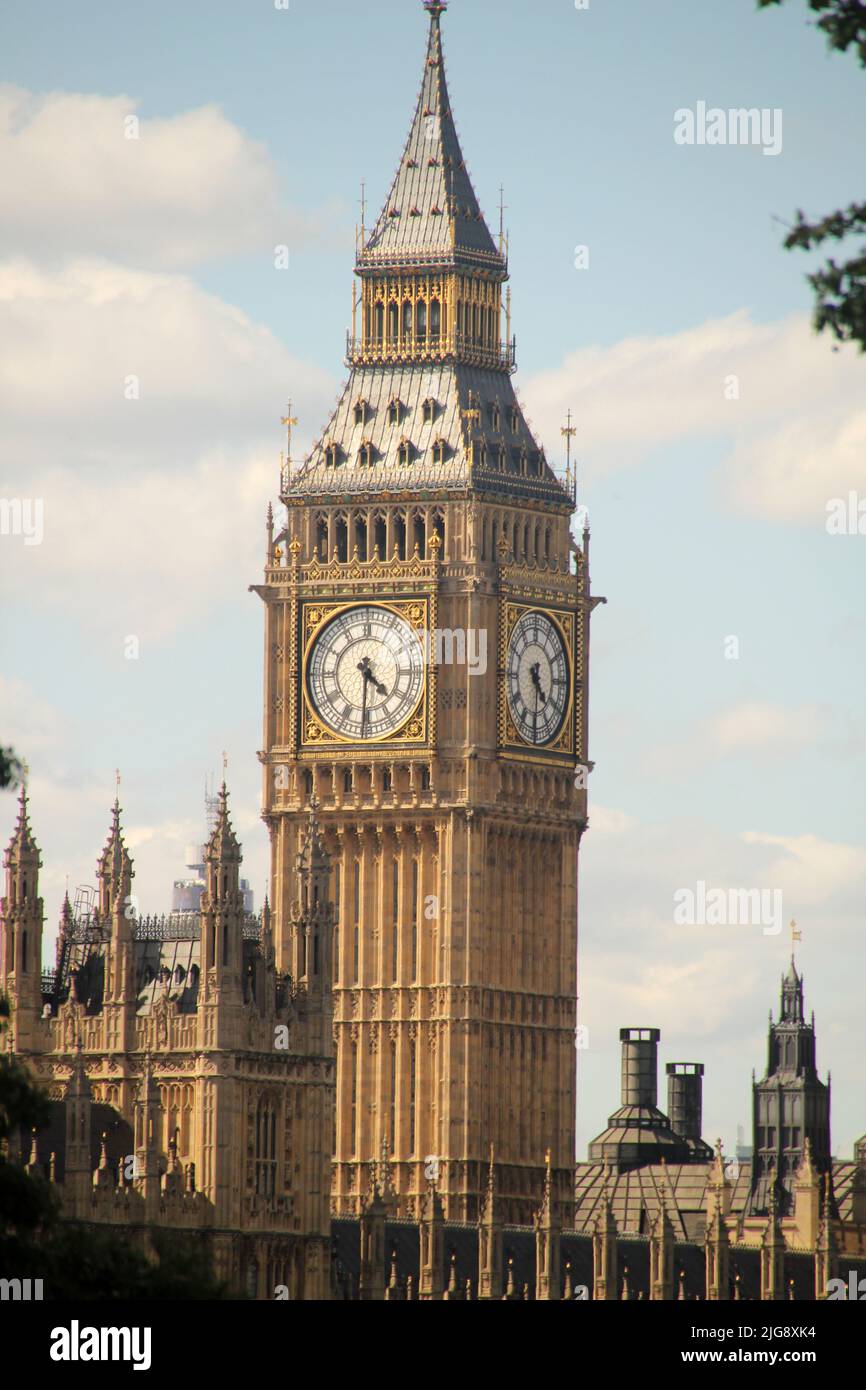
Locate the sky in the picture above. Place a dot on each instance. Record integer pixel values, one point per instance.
(179, 191)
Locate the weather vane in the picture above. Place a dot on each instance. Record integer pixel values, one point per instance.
(568, 432)
(795, 935)
(288, 420)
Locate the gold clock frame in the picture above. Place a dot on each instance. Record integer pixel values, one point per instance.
(511, 742)
(315, 615)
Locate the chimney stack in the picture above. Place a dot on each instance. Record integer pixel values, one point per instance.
(685, 1098)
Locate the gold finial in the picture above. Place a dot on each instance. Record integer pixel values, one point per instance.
(25, 772)
(225, 764)
(472, 415)
(288, 420)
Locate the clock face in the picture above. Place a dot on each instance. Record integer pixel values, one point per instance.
(537, 678)
(366, 673)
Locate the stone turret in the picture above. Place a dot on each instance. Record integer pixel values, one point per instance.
(21, 918)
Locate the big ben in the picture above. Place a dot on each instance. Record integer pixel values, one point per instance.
(427, 617)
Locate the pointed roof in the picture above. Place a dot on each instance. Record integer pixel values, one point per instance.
(114, 862)
(223, 846)
(22, 845)
(432, 214)
(314, 857)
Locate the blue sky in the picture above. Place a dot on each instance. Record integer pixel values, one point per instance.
(155, 259)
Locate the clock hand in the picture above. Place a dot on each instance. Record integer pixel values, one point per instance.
(535, 673)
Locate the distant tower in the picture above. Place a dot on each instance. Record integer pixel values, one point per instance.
(21, 933)
(790, 1105)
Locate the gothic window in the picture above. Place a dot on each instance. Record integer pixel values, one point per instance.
(439, 530)
(405, 451)
(380, 323)
(440, 451)
(361, 411)
(407, 318)
(421, 321)
(348, 780)
(380, 535)
(435, 319)
(361, 537)
(425, 779)
(354, 1117)
(395, 911)
(395, 406)
(514, 420)
(342, 540)
(332, 455)
(414, 919)
(266, 1147)
(493, 415)
(393, 322)
(322, 537)
(412, 1062)
(308, 782)
(420, 534)
(366, 454)
(400, 536)
(393, 1125)
(386, 780)
(429, 410)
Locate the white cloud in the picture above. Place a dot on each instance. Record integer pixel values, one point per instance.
(758, 724)
(191, 187)
(811, 870)
(796, 428)
(136, 491)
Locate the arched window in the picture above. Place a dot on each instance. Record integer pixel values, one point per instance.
(420, 534)
(435, 320)
(348, 780)
(366, 454)
(407, 318)
(342, 540)
(393, 323)
(395, 409)
(400, 536)
(361, 537)
(429, 410)
(412, 1071)
(380, 533)
(405, 451)
(439, 530)
(332, 455)
(421, 321)
(380, 323)
(440, 451)
(266, 1147)
(308, 782)
(322, 537)
(353, 1135)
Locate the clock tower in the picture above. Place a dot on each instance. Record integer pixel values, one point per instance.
(426, 672)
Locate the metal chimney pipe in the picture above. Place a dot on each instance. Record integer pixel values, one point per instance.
(685, 1098)
(640, 1066)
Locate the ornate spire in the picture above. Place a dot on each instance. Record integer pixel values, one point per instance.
(432, 214)
(114, 868)
(22, 845)
(223, 846)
